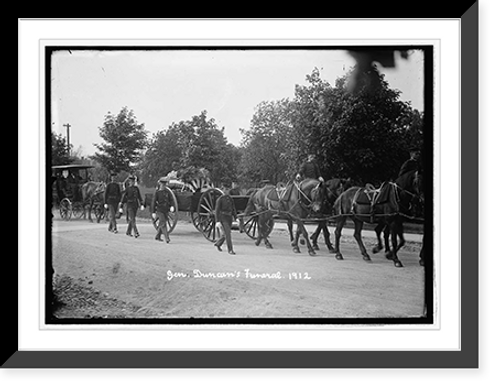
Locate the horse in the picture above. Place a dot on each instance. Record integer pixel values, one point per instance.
(294, 203)
(334, 187)
(412, 184)
(93, 192)
(363, 205)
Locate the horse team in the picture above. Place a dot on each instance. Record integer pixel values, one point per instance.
(334, 200)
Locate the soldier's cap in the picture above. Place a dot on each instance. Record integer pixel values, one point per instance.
(112, 173)
(131, 177)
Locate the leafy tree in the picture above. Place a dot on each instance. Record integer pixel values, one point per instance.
(269, 144)
(59, 150)
(192, 145)
(124, 139)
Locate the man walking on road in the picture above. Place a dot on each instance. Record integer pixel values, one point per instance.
(112, 197)
(132, 196)
(160, 207)
(225, 213)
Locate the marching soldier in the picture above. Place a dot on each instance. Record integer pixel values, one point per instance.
(112, 197)
(160, 206)
(132, 196)
(225, 214)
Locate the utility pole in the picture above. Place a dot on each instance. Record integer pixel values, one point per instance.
(67, 125)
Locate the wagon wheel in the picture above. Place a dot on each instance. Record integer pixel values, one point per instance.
(250, 225)
(173, 214)
(78, 210)
(205, 219)
(99, 211)
(65, 209)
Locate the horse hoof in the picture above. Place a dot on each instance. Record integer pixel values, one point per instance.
(339, 256)
(316, 247)
(296, 249)
(302, 241)
(375, 250)
(398, 264)
(389, 256)
(331, 250)
(367, 259)
(269, 246)
(421, 262)
(312, 253)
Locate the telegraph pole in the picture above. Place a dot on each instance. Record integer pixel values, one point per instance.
(67, 125)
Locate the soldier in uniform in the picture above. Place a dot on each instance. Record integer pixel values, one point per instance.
(225, 214)
(309, 170)
(132, 196)
(413, 164)
(160, 206)
(112, 197)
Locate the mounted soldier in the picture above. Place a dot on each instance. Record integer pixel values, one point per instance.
(309, 170)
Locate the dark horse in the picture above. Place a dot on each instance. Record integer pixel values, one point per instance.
(412, 184)
(294, 203)
(363, 205)
(334, 187)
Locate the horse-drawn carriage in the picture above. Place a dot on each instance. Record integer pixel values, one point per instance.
(67, 194)
(199, 200)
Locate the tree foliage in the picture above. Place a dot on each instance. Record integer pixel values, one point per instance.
(364, 135)
(124, 139)
(59, 150)
(193, 144)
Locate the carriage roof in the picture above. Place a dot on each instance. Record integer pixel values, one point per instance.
(70, 167)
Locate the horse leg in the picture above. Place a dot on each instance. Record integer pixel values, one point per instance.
(338, 233)
(301, 229)
(378, 230)
(326, 235)
(422, 254)
(394, 239)
(315, 235)
(290, 230)
(399, 227)
(358, 227)
(91, 204)
(387, 233)
(295, 242)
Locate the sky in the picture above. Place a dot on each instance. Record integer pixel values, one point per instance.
(167, 86)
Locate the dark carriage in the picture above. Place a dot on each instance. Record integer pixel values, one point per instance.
(67, 182)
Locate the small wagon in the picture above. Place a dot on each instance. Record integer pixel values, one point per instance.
(200, 202)
(67, 181)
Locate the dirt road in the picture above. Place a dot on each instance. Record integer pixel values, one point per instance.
(190, 278)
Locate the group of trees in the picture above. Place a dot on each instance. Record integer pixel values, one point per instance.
(363, 135)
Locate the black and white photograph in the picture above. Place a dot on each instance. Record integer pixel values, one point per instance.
(240, 184)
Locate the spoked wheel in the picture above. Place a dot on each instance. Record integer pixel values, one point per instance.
(99, 211)
(251, 226)
(78, 210)
(205, 219)
(173, 214)
(65, 209)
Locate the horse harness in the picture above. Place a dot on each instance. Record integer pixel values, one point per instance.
(283, 195)
(375, 197)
